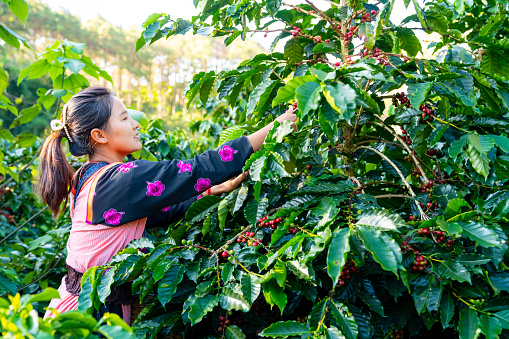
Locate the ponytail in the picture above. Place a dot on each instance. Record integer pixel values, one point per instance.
(55, 174)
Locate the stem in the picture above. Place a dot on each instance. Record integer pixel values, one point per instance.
(390, 195)
(61, 86)
(417, 163)
(423, 215)
(23, 224)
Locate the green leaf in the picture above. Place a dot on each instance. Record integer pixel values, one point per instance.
(249, 287)
(446, 309)
(222, 212)
(274, 294)
(347, 323)
(503, 317)
(202, 207)
(482, 143)
(381, 219)
(457, 147)
(480, 233)
(168, 284)
(234, 332)
(437, 22)
(9, 36)
(417, 93)
(472, 260)
(20, 9)
(454, 207)
(201, 306)
(255, 101)
(280, 273)
(231, 133)
(468, 325)
(293, 51)
(408, 41)
(231, 300)
(115, 332)
(367, 31)
(338, 252)
(317, 313)
(104, 287)
(308, 96)
(337, 101)
(490, 326)
(205, 90)
(502, 142)
(480, 161)
(452, 269)
(493, 62)
(73, 65)
(48, 294)
(4, 77)
(420, 16)
(285, 329)
(26, 115)
(382, 252)
(287, 92)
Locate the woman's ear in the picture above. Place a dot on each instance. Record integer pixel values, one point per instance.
(98, 136)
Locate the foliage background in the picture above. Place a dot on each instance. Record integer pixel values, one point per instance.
(387, 214)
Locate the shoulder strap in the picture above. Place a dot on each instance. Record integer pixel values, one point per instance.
(84, 176)
(95, 179)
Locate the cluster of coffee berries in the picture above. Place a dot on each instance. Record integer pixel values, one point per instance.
(376, 53)
(295, 104)
(224, 321)
(406, 138)
(249, 239)
(396, 334)
(302, 319)
(419, 263)
(439, 236)
(367, 17)
(348, 61)
(412, 217)
(405, 247)
(350, 33)
(358, 189)
(271, 223)
(348, 269)
(416, 172)
(430, 205)
(295, 32)
(427, 113)
(189, 244)
(401, 99)
(427, 187)
(432, 152)
(292, 229)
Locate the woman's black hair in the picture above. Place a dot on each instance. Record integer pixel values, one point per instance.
(86, 110)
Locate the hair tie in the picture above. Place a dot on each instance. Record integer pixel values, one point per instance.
(57, 125)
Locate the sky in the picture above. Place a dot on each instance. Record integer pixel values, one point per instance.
(133, 13)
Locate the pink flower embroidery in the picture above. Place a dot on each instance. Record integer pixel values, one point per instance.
(184, 167)
(227, 153)
(154, 189)
(127, 167)
(202, 184)
(166, 209)
(112, 216)
(199, 197)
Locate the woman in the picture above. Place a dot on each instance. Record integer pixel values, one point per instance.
(112, 203)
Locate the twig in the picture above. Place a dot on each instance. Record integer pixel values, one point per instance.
(424, 216)
(284, 82)
(23, 224)
(410, 152)
(390, 195)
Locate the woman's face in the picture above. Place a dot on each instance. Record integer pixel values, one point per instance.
(122, 131)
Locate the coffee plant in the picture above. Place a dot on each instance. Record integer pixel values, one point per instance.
(383, 215)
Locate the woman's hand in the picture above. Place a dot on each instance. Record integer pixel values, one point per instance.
(258, 138)
(227, 186)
